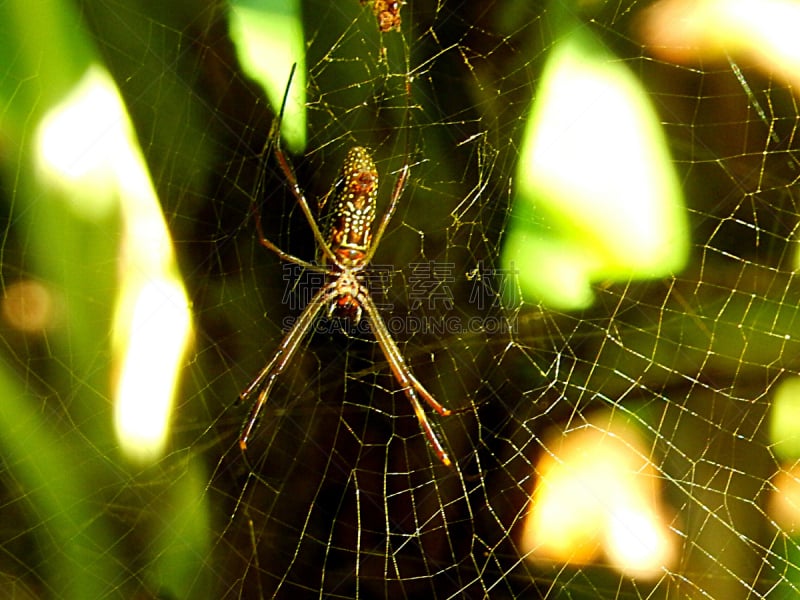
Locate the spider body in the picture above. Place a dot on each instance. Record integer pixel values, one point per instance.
(350, 231)
(387, 14)
(345, 248)
(345, 295)
(353, 208)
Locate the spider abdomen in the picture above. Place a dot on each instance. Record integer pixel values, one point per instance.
(352, 208)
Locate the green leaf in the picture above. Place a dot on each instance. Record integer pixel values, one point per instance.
(268, 36)
(597, 197)
(784, 423)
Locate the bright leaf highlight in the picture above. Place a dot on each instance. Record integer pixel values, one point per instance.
(269, 39)
(86, 146)
(597, 197)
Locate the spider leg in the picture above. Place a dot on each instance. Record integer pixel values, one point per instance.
(400, 182)
(274, 140)
(262, 239)
(399, 186)
(269, 374)
(288, 172)
(411, 386)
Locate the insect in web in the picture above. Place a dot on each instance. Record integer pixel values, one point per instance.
(346, 249)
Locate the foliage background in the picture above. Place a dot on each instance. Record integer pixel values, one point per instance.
(340, 492)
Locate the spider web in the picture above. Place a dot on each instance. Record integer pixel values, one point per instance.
(339, 495)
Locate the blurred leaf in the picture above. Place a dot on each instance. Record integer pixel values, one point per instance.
(597, 197)
(75, 162)
(785, 419)
(183, 543)
(55, 475)
(268, 35)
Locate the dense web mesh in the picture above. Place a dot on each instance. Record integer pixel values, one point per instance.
(339, 494)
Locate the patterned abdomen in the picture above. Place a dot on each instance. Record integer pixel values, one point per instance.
(352, 208)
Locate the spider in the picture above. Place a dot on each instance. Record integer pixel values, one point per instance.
(345, 249)
(387, 14)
